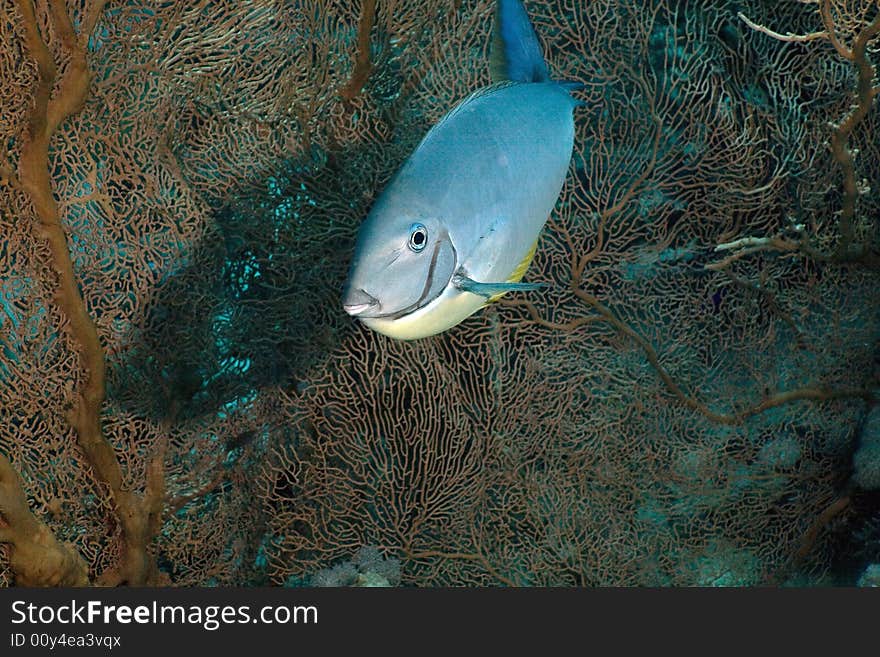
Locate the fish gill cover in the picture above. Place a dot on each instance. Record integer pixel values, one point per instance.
(183, 400)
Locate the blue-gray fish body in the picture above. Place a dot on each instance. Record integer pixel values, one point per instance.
(458, 224)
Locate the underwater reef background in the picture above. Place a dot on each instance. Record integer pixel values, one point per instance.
(183, 400)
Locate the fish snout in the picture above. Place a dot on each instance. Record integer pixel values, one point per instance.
(357, 301)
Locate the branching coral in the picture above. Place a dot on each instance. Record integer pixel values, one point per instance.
(56, 98)
(866, 90)
(36, 557)
(185, 401)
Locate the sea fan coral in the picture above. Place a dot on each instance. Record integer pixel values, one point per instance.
(185, 402)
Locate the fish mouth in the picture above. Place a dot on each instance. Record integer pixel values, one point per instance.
(362, 305)
(357, 309)
(362, 311)
(359, 301)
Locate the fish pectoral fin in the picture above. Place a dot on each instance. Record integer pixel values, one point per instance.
(490, 290)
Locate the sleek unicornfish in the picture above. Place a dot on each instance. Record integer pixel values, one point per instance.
(458, 225)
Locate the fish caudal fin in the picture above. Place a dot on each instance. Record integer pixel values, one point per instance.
(516, 51)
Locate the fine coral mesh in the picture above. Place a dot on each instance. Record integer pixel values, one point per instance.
(632, 428)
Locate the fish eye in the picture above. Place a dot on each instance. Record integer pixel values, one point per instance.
(418, 237)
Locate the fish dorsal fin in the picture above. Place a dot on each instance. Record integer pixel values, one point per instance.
(516, 51)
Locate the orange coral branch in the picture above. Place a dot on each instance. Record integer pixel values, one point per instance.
(816, 392)
(90, 20)
(840, 138)
(465, 556)
(865, 92)
(809, 539)
(362, 65)
(828, 21)
(48, 114)
(37, 557)
(788, 36)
